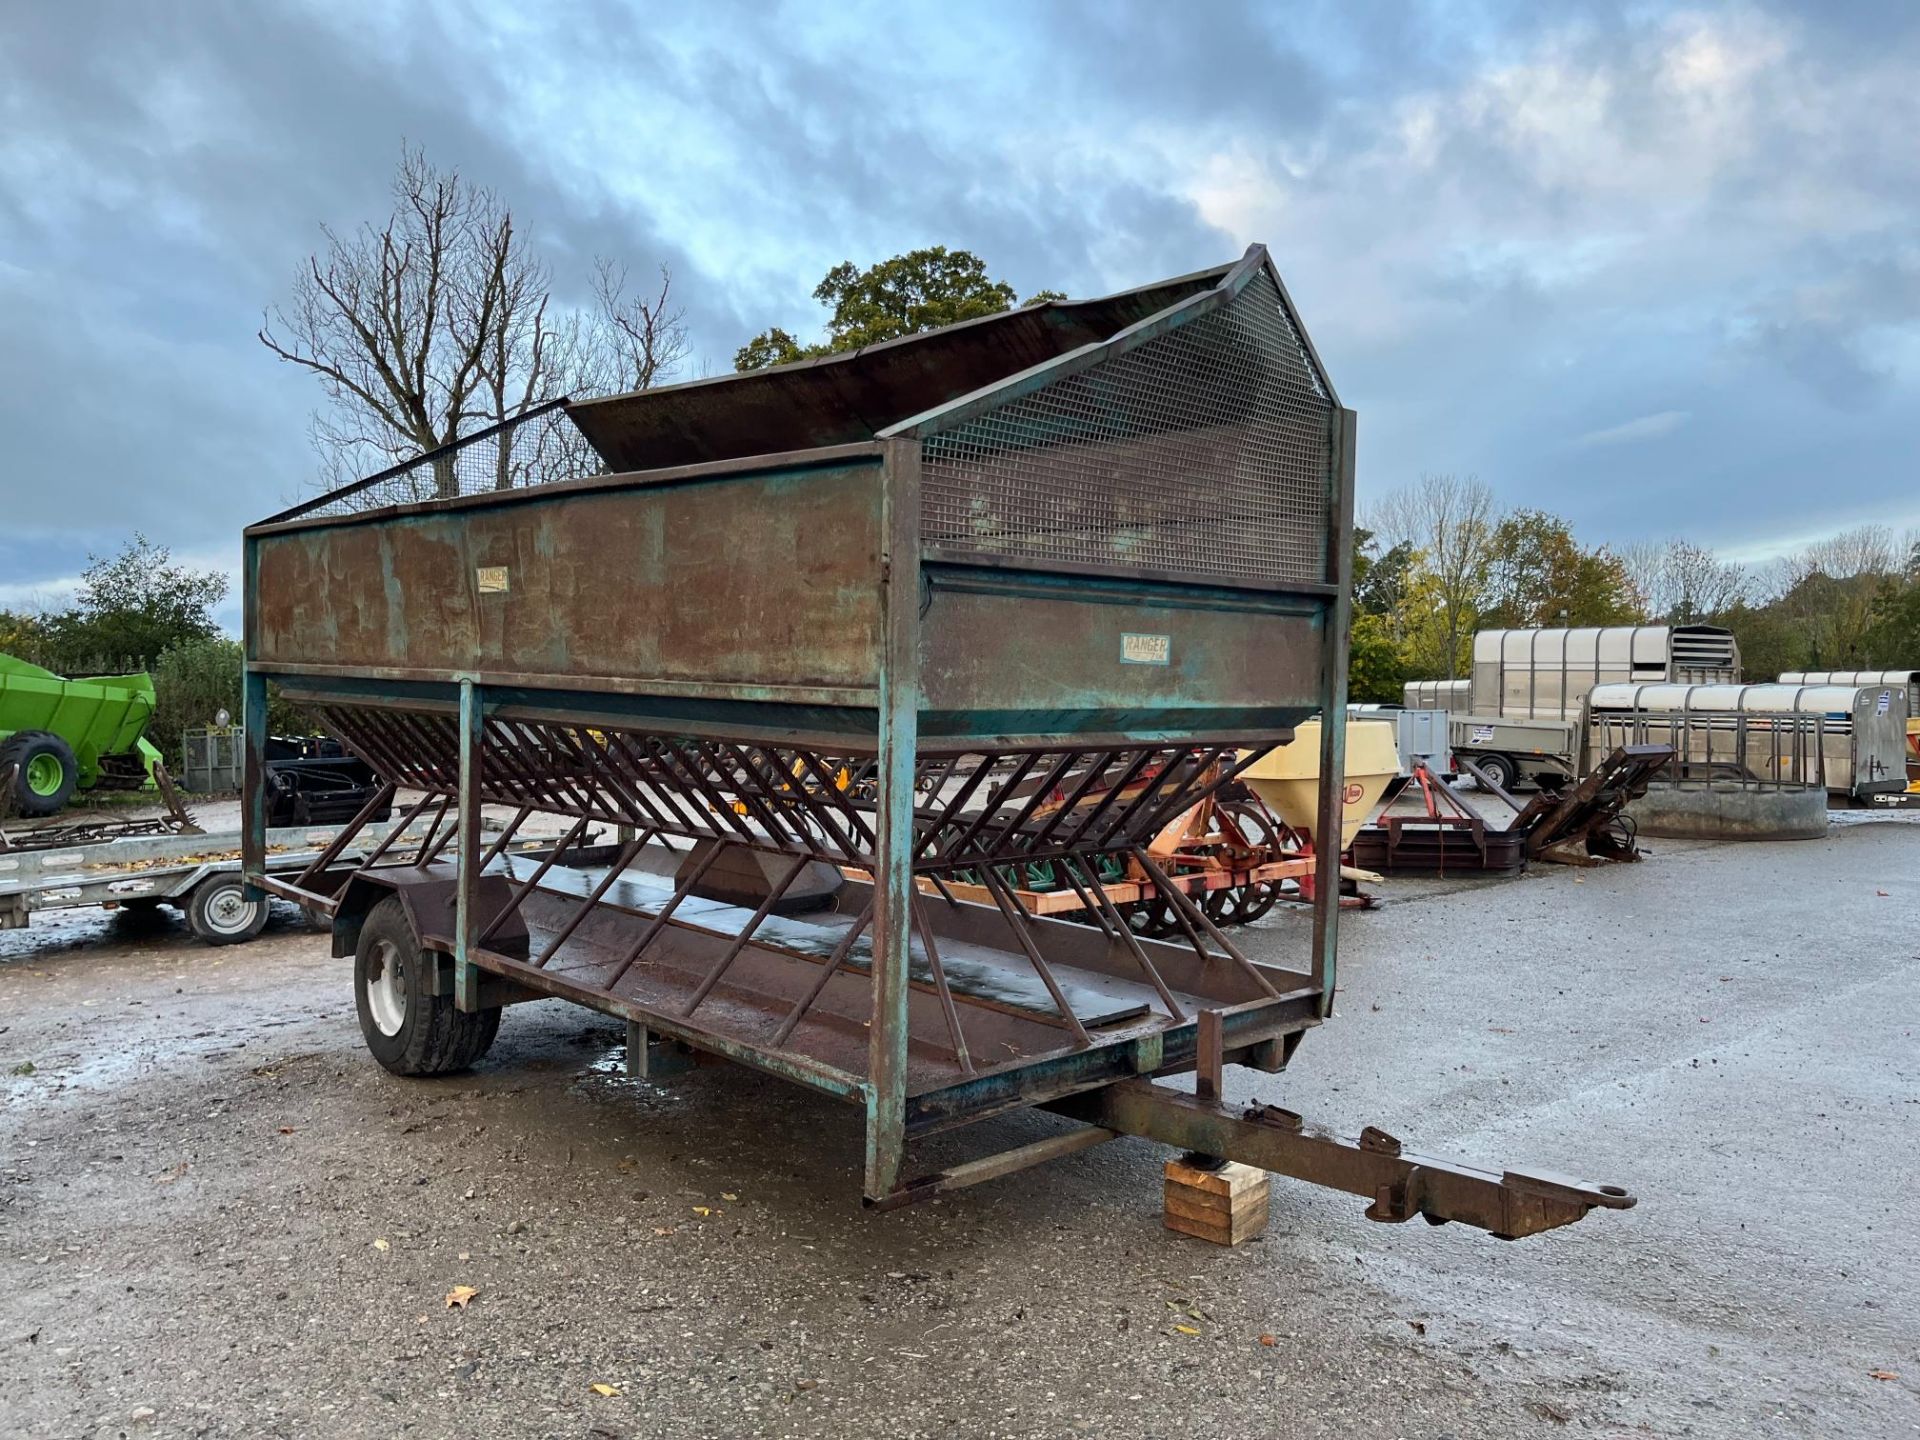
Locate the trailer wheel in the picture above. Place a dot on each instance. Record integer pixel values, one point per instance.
(1500, 769)
(409, 1029)
(221, 914)
(45, 771)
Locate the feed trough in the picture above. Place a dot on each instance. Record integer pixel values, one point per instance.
(1016, 593)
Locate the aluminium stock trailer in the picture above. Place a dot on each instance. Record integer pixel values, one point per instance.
(1848, 739)
(1908, 680)
(1523, 713)
(1049, 578)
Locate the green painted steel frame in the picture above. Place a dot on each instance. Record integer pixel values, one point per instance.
(891, 726)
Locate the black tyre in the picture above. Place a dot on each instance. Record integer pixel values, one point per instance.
(409, 1029)
(221, 914)
(1499, 769)
(45, 771)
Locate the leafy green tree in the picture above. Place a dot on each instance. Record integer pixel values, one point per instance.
(1380, 579)
(138, 604)
(1376, 662)
(197, 679)
(22, 633)
(193, 682)
(1894, 639)
(920, 290)
(1538, 574)
(1770, 641)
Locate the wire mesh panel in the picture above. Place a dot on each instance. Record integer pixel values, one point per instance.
(537, 448)
(1207, 451)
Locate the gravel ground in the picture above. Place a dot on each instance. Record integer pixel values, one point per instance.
(219, 1218)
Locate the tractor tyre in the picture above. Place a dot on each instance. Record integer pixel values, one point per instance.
(45, 771)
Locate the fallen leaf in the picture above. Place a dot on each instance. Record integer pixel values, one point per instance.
(728, 1195)
(1883, 1374)
(1268, 1340)
(1186, 1330)
(663, 1229)
(460, 1296)
(703, 1211)
(1417, 1326)
(1881, 893)
(607, 1390)
(25, 1067)
(286, 1129)
(167, 1177)
(381, 1245)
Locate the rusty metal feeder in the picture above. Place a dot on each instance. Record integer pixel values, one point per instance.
(1012, 594)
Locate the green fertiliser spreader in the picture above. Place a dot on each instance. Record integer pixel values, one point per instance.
(58, 736)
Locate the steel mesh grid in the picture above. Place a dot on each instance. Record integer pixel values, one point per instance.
(537, 448)
(1207, 451)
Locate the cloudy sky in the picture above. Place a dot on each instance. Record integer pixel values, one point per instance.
(1656, 268)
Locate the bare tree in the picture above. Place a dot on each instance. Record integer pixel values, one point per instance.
(441, 320)
(1864, 550)
(1683, 583)
(1451, 521)
(1831, 588)
(1697, 586)
(638, 340)
(1645, 563)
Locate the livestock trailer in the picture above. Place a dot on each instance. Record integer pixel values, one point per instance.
(1849, 740)
(1437, 694)
(1908, 680)
(1522, 716)
(1016, 592)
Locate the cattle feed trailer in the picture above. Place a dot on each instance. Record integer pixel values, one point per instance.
(1019, 592)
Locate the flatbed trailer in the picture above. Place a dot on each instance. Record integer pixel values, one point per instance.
(197, 874)
(1089, 549)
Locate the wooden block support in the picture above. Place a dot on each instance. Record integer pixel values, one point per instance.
(1226, 1206)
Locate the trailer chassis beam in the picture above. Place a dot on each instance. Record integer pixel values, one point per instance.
(1399, 1183)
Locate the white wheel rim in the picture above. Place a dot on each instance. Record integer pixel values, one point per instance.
(228, 911)
(387, 987)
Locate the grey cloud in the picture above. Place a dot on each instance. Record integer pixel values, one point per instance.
(184, 156)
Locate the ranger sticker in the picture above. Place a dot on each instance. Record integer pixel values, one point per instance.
(1145, 649)
(493, 579)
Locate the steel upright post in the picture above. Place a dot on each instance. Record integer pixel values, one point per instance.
(253, 827)
(899, 686)
(1337, 620)
(466, 975)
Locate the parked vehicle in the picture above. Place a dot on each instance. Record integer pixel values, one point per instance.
(1850, 739)
(1073, 550)
(1523, 716)
(198, 875)
(1909, 680)
(59, 737)
(315, 780)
